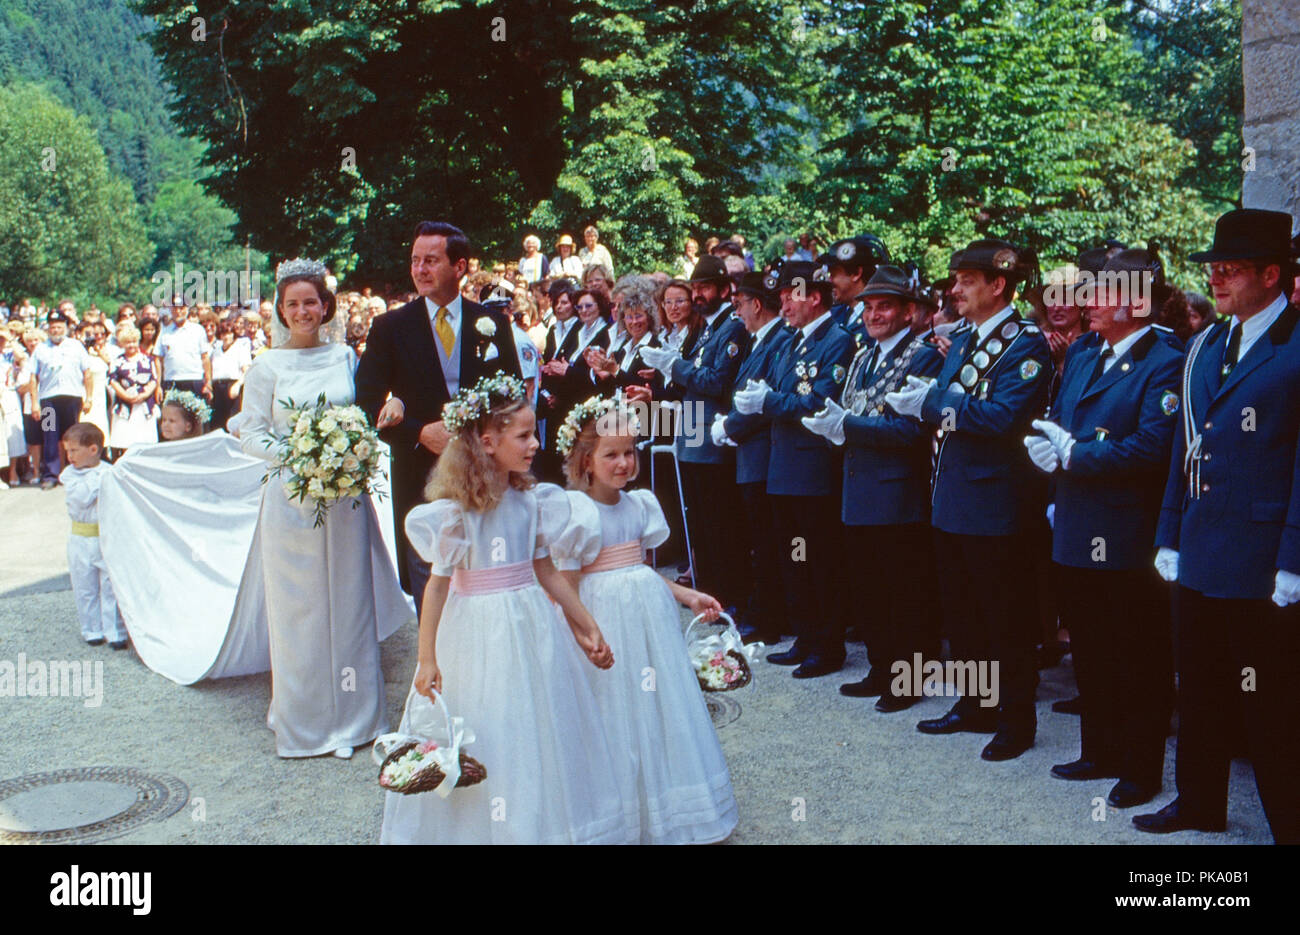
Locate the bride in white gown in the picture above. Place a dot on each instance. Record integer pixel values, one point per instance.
(331, 592)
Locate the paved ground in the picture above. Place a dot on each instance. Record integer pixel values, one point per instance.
(808, 765)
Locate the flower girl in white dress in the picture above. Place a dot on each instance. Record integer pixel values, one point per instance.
(497, 649)
(654, 710)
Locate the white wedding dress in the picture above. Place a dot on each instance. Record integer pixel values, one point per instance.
(331, 592)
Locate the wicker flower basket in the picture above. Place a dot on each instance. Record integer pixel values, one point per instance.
(425, 773)
(721, 663)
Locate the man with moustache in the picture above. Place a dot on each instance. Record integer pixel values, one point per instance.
(886, 501)
(1229, 532)
(759, 306)
(704, 385)
(1107, 445)
(803, 476)
(992, 385)
(422, 353)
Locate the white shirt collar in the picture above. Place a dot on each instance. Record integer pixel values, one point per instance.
(589, 331)
(812, 326)
(1123, 347)
(453, 311)
(723, 309)
(888, 344)
(984, 330)
(767, 329)
(1255, 326)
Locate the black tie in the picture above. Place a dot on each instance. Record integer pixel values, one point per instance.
(1098, 370)
(1232, 350)
(871, 363)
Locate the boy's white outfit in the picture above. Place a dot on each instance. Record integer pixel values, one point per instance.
(96, 605)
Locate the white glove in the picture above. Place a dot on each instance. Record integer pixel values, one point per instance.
(1167, 564)
(718, 431)
(1042, 453)
(1061, 440)
(750, 400)
(1286, 588)
(1051, 516)
(828, 422)
(908, 401)
(661, 358)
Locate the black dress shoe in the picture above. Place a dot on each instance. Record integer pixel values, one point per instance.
(1068, 706)
(889, 703)
(1082, 770)
(1006, 745)
(1127, 793)
(97, 641)
(869, 687)
(1173, 818)
(816, 666)
(118, 644)
(790, 657)
(956, 722)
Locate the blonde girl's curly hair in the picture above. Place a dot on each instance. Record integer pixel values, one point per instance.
(577, 463)
(467, 474)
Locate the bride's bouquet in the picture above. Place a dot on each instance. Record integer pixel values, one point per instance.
(331, 453)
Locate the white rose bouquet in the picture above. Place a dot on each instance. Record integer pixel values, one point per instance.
(331, 453)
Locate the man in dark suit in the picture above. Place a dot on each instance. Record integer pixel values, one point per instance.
(759, 306)
(886, 501)
(1107, 443)
(993, 384)
(1229, 533)
(553, 401)
(422, 354)
(803, 481)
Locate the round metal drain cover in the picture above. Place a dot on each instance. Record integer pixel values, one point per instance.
(722, 710)
(87, 804)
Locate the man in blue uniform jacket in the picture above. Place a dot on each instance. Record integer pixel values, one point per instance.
(1107, 442)
(803, 475)
(993, 384)
(886, 502)
(1229, 533)
(703, 383)
(759, 306)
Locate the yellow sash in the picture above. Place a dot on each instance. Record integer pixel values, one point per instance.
(85, 529)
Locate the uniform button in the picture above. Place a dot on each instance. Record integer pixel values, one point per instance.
(1205, 488)
(1209, 425)
(1206, 456)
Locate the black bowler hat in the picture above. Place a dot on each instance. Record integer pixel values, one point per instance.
(1248, 234)
(755, 283)
(1000, 257)
(890, 280)
(710, 269)
(867, 251)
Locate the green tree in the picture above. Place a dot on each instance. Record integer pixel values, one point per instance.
(67, 224)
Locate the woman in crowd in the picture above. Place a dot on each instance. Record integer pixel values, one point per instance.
(134, 385)
(681, 324)
(94, 337)
(230, 361)
(31, 407)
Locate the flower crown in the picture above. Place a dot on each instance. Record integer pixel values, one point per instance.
(468, 406)
(190, 403)
(584, 412)
(300, 267)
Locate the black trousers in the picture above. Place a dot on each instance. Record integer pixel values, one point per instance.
(808, 535)
(58, 413)
(223, 407)
(984, 592)
(1122, 642)
(193, 386)
(899, 615)
(713, 512)
(1248, 649)
(765, 607)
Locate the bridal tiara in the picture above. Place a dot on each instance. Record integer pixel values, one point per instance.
(300, 267)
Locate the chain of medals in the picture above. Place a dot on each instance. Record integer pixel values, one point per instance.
(970, 375)
(886, 379)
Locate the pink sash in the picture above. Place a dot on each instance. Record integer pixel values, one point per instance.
(490, 580)
(616, 556)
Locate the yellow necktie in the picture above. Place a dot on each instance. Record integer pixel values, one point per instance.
(443, 328)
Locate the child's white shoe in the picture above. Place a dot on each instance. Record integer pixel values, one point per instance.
(343, 753)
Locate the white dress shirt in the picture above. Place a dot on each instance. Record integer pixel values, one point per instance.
(1121, 348)
(1256, 325)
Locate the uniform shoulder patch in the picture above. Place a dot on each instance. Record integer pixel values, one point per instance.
(837, 373)
(1029, 369)
(1169, 402)
(732, 349)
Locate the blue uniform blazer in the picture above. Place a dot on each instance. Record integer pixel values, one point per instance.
(1123, 425)
(706, 380)
(752, 433)
(1245, 523)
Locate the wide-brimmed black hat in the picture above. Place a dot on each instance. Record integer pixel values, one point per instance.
(992, 256)
(867, 251)
(710, 269)
(890, 280)
(1248, 234)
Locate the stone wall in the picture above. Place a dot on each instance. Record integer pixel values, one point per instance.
(1271, 63)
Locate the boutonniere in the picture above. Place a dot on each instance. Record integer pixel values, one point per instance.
(487, 328)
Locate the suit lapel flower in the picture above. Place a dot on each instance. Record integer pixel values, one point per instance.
(486, 348)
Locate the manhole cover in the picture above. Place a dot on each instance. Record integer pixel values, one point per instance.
(83, 805)
(722, 710)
